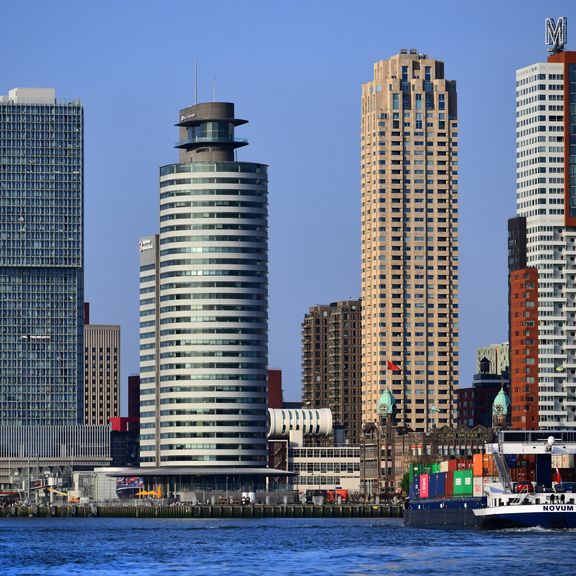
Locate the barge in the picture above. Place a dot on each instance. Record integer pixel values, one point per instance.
(498, 502)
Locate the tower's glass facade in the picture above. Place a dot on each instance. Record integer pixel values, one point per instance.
(204, 303)
(41, 259)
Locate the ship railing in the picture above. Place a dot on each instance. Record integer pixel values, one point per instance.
(523, 495)
(500, 461)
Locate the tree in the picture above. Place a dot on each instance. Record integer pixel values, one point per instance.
(405, 483)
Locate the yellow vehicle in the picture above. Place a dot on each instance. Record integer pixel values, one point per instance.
(154, 493)
(71, 499)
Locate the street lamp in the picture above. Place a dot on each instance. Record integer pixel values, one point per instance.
(227, 501)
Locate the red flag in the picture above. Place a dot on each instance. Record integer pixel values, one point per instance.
(393, 367)
(558, 477)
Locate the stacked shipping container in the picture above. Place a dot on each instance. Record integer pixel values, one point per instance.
(448, 479)
(465, 478)
(460, 478)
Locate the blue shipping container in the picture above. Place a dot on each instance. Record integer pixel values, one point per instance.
(414, 491)
(433, 485)
(511, 460)
(436, 485)
(441, 484)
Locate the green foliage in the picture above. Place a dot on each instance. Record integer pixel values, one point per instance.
(405, 483)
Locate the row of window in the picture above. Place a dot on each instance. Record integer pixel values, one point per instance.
(212, 204)
(220, 412)
(168, 435)
(208, 307)
(221, 388)
(210, 261)
(205, 330)
(220, 180)
(215, 226)
(199, 446)
(210, 400)
(215, 238)
(242, 192)
(180, 273)
(210, 284)
(209, 342)
(251, 318)
(213, 296)
(210, 366)
(214, 167)
(213, 250)
(535, 77)
(256, 215)
(191, 377)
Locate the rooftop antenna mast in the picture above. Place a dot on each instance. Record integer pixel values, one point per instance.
(214, 89)
(196, 82)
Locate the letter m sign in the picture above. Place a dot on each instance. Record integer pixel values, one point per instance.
(556, 33)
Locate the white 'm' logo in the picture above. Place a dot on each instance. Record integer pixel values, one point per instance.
(556, 33)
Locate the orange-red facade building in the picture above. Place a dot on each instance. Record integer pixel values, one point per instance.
(524, 348)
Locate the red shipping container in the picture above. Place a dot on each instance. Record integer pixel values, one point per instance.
(463, 464)
(424, 483)
(522, 475)
(449, 485)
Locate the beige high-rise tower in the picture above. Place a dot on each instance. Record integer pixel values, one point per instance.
(410, 240)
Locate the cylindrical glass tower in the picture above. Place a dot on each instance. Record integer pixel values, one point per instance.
(204, 356)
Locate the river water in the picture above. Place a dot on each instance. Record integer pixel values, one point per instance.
(304, 546)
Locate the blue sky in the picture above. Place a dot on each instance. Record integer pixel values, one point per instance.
(294, 70)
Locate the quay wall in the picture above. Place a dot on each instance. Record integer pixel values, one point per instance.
(206, 511)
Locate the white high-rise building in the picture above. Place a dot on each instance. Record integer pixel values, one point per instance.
(204, 304)
(542, 242)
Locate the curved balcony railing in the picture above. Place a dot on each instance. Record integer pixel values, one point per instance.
(211, 139)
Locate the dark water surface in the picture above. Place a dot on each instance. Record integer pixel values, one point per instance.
(70, 546)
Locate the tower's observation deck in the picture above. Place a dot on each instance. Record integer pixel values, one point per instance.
(207, 132)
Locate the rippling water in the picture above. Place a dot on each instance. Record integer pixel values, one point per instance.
(91, 546)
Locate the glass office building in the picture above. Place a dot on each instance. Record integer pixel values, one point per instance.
(204, 304)
(41, 259)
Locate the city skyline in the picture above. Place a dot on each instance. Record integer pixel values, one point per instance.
(310, 73)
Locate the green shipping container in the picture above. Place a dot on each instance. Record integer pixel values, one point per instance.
(415, 470)
(427, 468)
(463, 483)
(435, 468)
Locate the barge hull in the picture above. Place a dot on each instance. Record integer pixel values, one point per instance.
(451, 513)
